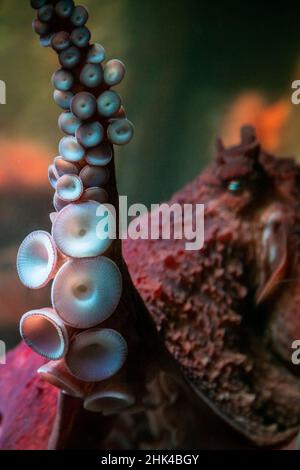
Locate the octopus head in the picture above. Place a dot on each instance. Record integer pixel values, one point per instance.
(251, 261)
(229, 313)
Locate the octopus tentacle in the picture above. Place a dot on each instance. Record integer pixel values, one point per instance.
(91, 286)
(220, 349)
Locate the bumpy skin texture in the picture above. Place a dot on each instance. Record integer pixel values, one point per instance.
(227, 314)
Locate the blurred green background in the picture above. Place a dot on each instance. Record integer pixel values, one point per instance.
(187, 61)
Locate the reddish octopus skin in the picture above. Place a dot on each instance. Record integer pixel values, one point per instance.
(23, 430)
(28, 405)
(236, 353)
(166, 283)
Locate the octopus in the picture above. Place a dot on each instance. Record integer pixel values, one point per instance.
(209, 331)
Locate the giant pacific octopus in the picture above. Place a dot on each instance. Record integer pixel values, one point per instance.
(209, 331)
(228, 314)
(225, 318)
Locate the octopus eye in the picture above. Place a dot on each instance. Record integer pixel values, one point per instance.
(234, 186)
